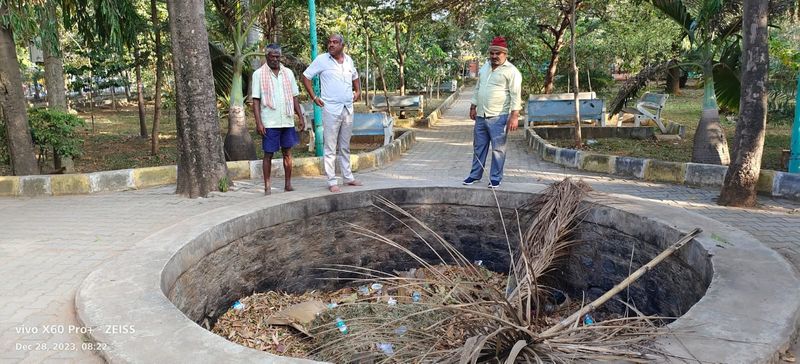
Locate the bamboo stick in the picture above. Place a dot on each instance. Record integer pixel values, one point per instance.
(622, 285)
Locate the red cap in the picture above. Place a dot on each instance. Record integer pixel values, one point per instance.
(499, 44)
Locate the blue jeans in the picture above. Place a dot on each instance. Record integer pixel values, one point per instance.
(489, 129)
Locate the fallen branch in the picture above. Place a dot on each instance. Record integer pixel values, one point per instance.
(619, 287)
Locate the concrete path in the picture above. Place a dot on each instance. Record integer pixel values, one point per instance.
(48, 245)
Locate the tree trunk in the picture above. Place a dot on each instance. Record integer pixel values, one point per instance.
(366, 99)
(238, 142)
(401, 59)
(13, 105)
(578, 142)
(114, 97)
(201, 163)
(383, 80)
(552, 67)
(254, 38)
(739, 188)
(673, 78)
(159, 78)
(53, 65)
(710, 145)
(140, 94)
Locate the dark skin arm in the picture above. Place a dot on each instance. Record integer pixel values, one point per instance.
(299, 112)
(257, 115)
(310, 89)
(357, 88)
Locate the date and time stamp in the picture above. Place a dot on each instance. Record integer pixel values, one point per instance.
(68, 330)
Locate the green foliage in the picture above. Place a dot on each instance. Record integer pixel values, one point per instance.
(784, 69)
(56, 130)
(224, 184)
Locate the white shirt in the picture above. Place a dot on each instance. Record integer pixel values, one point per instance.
(276, 118)
(336, 80)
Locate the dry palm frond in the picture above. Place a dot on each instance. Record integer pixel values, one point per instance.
(468, 314)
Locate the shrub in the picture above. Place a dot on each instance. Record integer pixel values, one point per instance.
(56, 131)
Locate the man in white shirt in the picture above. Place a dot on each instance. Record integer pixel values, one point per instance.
(338, 76)
(274, 92)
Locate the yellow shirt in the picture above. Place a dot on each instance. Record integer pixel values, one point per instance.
(276, 118)
(498, 91)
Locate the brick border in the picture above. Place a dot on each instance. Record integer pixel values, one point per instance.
(771, 183)
(138, 178)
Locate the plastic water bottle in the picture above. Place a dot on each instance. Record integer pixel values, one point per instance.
(238, 306)
(341, 325)
(386, 348)
(588, 320)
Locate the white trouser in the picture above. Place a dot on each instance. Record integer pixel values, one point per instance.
(337, 130)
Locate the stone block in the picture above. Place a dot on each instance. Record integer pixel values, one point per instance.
(9, 186)
(309, 166)
(600, 163)
(661, 171)
(765, 181)
(549, 153)
(154, 176)
(787, 185)
(35, 185)
(567, 157)
(119, 180)
(255, 169)
(698, 174)
(239, 170)
(366, 161)
(629, 167)
(70, 184)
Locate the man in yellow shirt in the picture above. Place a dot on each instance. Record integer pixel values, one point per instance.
(274, 93)
(495, 108)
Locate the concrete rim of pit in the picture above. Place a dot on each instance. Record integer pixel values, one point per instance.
(748, 315)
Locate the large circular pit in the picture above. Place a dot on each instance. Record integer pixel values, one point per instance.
(720, 286)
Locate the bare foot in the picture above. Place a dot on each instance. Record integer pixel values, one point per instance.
(288, 188)
(334, 189)
(355, 182)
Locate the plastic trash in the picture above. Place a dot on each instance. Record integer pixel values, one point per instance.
(341, 325)
(238, 306)
(363, 290)
(386, 348)
(416, 297)
(591, 141)
(332, 305)
(478, 262)
(588, 320)
(401, 330)
(391, 301)
(376, 287)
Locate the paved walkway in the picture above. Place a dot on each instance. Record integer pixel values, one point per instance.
(48, 245)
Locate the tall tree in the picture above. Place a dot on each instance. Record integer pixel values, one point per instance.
(709, 25)
(739, 188)
(12, 102)
(156, 23)
(201, 162)
(238, 19)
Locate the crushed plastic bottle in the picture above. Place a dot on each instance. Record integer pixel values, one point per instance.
(416, 297)
(391, 301)
(363, 290)
(478, 262)
(238, 306)
(386, 348)
(588, 320)
(332, 305)
(341, 325)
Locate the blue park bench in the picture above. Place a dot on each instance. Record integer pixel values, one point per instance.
(400, 105)
(560, 108)
(649, 107)
(372, 124)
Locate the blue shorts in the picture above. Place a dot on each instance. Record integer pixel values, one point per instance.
(279, 138)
